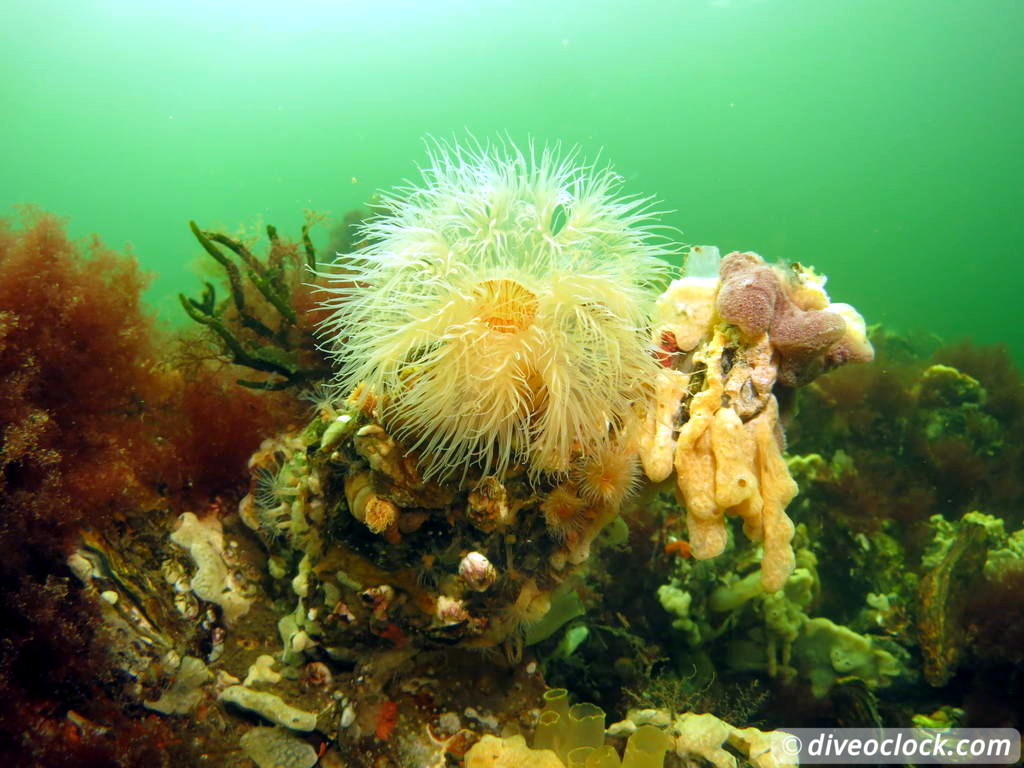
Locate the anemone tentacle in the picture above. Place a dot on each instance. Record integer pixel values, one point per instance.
(500, 312)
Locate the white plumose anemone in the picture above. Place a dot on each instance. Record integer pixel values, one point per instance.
(500, 313)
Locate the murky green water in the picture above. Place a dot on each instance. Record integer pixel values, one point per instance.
(880, 140)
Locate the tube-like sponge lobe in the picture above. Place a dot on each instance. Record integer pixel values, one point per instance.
(749, 293)
(809, 335)
(804, 340)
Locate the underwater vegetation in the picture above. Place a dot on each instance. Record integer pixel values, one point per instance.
(919, 464)
(920, 599)
(538, 458)
(98, 424)
(267, 322)
(940, 431)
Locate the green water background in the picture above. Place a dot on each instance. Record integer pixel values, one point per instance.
(880, 140)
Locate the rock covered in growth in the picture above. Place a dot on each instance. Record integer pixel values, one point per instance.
(185, 692)
(277, 748)
(724, 344)
(213, 580)
(827, 652)
(272, 707)
(705, 737)
(512, 752)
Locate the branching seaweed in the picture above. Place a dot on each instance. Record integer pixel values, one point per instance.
(735, 701)
(260, 326)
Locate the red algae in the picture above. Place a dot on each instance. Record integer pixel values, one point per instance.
(78, 365)
(98, 421)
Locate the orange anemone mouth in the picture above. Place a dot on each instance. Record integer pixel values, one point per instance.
(505, 305)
